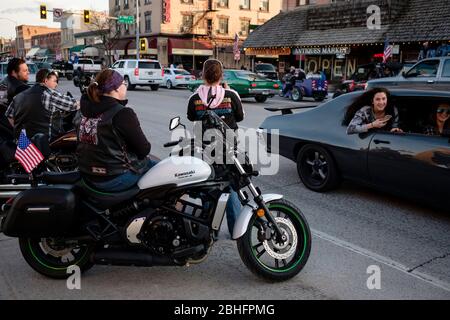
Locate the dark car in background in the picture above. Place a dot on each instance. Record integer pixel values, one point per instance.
(266, 69)
(409, 164)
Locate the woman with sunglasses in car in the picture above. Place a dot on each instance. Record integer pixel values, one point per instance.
(439, 120)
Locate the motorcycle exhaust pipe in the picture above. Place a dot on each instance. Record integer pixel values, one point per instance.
(121, 257)
(8, 194)
(11, 190)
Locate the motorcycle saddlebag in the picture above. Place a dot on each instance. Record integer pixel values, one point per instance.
(44, 211)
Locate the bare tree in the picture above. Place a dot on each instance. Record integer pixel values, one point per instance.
(106, 29)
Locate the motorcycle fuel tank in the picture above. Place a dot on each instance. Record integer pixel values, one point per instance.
(176, 170)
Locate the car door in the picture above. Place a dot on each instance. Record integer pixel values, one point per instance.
(415, 165)
(444, 80)
(167, 76)
(422, 76)
(119, 67)
(129, 70)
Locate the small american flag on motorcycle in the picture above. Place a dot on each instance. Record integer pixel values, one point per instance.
(236, 51)
(387, 51)
(27, 154)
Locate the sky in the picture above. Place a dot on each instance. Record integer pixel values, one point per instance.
(27, 12)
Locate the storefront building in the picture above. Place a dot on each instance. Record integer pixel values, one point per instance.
(338, 38)
(188, 32)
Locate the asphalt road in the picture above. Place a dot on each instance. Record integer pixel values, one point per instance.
(353, 228)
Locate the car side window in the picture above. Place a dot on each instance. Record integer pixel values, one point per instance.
(166, 71)
(131, 64)
(121, 64)
(446, 70)
(425, 69)
(115, 65)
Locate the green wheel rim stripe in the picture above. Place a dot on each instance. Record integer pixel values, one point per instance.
(275, 206)
(45, 265)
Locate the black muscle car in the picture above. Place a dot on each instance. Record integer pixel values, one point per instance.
(409, 164)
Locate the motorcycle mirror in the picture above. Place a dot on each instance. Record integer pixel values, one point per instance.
(174, 123)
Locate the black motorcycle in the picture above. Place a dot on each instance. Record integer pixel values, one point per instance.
(169, 219)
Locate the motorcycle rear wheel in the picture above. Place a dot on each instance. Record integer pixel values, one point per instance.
(271, 260)
(52, 262)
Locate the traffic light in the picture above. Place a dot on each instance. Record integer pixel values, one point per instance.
(87, 16)
(43, 12)
(143, 44)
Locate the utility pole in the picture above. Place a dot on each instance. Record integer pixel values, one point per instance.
(137, 30)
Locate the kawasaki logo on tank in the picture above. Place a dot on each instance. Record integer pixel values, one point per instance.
(184, 174)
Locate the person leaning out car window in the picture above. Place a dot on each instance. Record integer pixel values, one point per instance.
(372, 110)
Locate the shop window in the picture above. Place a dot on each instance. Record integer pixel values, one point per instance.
(148, 22)
(125, 4)
(245, 27)
(245, 5)
(264, 5)
(223, 26)
(223, 3)
(187, 1)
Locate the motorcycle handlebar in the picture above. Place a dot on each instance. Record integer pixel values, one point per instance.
(172, 143)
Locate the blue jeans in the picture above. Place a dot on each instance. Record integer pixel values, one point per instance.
(124, 181)
(233, 209)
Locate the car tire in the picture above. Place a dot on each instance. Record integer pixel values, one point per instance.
(260, 99)
(154, 87)
(296, 94)
(317, 168)
(128, 84)
(169, 84)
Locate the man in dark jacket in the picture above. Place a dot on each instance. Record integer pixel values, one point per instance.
(17, 78)
(15, 83)
(41, 108)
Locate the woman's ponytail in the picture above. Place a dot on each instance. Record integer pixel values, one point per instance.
(93, 92)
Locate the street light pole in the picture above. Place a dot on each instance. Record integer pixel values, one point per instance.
(137, 30)
(15, 29)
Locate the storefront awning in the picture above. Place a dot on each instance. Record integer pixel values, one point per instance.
(188, 48)
(77, 48)
(32, 52)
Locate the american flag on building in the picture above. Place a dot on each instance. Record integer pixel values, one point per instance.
(27, 154)
(236, 51)
(387, 51)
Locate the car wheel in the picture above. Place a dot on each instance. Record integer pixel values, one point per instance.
(154, 87)
(317, 168)
(261, 99)
(128, 84)
(169, 84)
(296, 94)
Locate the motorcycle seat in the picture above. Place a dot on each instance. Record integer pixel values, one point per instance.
(70, 177)
(105, 200)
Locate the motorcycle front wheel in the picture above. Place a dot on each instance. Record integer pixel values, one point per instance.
(272, 260)
(50, 258)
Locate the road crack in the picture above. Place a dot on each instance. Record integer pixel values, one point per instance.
(445, 255)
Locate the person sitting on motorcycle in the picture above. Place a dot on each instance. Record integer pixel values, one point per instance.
(41, 109)
(18, 75)
(290, 79)
(226, 103)
(112, 149)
